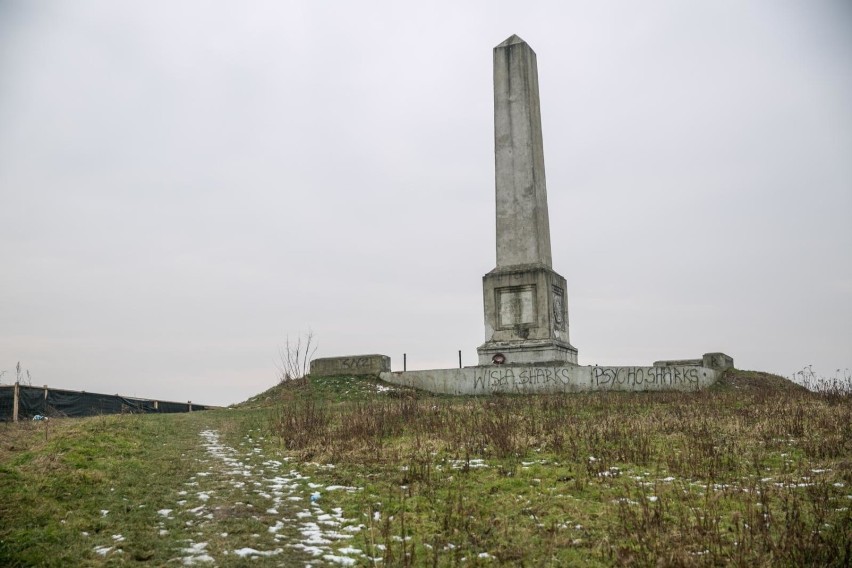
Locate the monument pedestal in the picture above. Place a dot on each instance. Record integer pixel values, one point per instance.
(526, 316)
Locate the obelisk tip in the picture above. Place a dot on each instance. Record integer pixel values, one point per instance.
(511, 40)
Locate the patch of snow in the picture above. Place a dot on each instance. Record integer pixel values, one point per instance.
(350, 550)
(342, 560)
(200, 559)
(246, 552)
(277, 527)
(315, 550)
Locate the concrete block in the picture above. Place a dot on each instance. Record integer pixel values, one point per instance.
(526, 315)
(718, 361)
(351, 365)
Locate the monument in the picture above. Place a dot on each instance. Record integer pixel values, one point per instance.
(526, 347)
(526, 307)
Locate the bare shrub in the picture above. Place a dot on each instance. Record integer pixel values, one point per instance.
(294, 359)
(301, 422)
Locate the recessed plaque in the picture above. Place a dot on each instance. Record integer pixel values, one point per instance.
(558, 309)
(516, 305)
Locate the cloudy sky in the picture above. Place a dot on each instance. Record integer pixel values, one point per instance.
(183, 185)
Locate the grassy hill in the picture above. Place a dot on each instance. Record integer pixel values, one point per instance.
(347, 471)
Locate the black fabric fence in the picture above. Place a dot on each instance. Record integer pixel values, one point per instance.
(7, 402)
(52, 403)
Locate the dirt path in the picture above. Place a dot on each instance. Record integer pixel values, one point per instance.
(242, 505)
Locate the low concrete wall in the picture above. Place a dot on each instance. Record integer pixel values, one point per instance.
(351, 365)
(715, 361)
(553, 378)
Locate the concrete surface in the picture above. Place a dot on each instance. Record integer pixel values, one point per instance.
(538, 378)
(715, 361)
(525, 300)
(351, 365)
(523, 226)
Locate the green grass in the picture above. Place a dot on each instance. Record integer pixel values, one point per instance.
(52, 491)
(754, 472)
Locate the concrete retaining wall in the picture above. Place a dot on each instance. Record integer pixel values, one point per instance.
(553, 378)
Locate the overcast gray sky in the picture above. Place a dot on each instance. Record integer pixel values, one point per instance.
(184, 184)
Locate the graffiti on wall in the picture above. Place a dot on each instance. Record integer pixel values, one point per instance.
(533, 378)
(610, 377)
(523, 378)
(355, 362)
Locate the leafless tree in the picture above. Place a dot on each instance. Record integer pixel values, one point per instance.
(294, 359)
(19, 375)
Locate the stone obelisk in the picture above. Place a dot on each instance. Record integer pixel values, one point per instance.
(526, 307)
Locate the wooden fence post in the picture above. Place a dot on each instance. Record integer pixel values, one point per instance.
(190, 405)
(15, 402)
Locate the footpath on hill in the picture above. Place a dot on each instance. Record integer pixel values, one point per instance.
(190, 489)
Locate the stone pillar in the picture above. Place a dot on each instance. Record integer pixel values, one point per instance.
(525, 300)
(523, 227)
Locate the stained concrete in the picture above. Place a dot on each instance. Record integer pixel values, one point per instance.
(715, 361)
(538, 378)
(526, 316)
(523, 226)
(525, 301)
(351, 365)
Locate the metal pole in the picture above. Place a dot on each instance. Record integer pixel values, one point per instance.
(190, 405)
(404, 362)
(460, 366)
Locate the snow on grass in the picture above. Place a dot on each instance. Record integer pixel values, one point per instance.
(248, 470)
(342, 560)
(196, 554)
(474, 463)
(247, 552)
